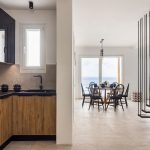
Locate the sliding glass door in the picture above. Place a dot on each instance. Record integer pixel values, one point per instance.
(89, 71)
(111, 69)
(101, 69)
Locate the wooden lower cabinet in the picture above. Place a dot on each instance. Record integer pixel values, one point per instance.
(5, 119)
(34, 115)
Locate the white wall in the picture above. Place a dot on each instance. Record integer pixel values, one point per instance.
(64, 72)
(130, 64)
(46, 17)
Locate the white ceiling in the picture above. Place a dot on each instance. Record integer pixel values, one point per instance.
(24, 4)
(113, 20)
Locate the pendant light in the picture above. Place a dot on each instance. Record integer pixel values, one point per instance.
(101, 49)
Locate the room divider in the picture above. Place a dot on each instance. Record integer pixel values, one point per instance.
(144, 66)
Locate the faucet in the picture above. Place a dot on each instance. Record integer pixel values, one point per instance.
(41, 81)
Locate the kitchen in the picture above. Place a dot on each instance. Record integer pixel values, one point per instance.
(19, 10)
(28, 88)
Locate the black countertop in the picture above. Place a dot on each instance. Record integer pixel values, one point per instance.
(6, 94)
(28, 93)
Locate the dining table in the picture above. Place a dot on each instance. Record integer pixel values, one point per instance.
(104, 93)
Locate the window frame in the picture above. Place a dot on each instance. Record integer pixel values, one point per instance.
(23, 56)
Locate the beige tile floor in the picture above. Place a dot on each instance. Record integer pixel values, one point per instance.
(102, 130)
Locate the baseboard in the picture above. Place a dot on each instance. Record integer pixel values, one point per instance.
(28, 138)
(5, 144)
(33, 138)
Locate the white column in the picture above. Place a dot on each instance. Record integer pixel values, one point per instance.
(64, 72)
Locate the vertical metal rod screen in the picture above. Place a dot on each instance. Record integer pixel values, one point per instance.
(144, 66)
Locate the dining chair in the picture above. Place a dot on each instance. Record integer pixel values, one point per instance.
(116, 96)
(84, 95)
(125, 95)
(96, 97)
(91, 84)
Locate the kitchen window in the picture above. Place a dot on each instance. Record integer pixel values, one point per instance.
(33, 52)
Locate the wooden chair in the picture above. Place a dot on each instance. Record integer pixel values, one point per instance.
(84, 95)
(125, 95)
(116, 96)
(96, 97)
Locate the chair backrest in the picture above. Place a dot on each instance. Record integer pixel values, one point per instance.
(115, 84)
(82, 89)
(119, 89)
(91, 83)
(94, 90)
(112, 92)
(91, 87)
(127, 90)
